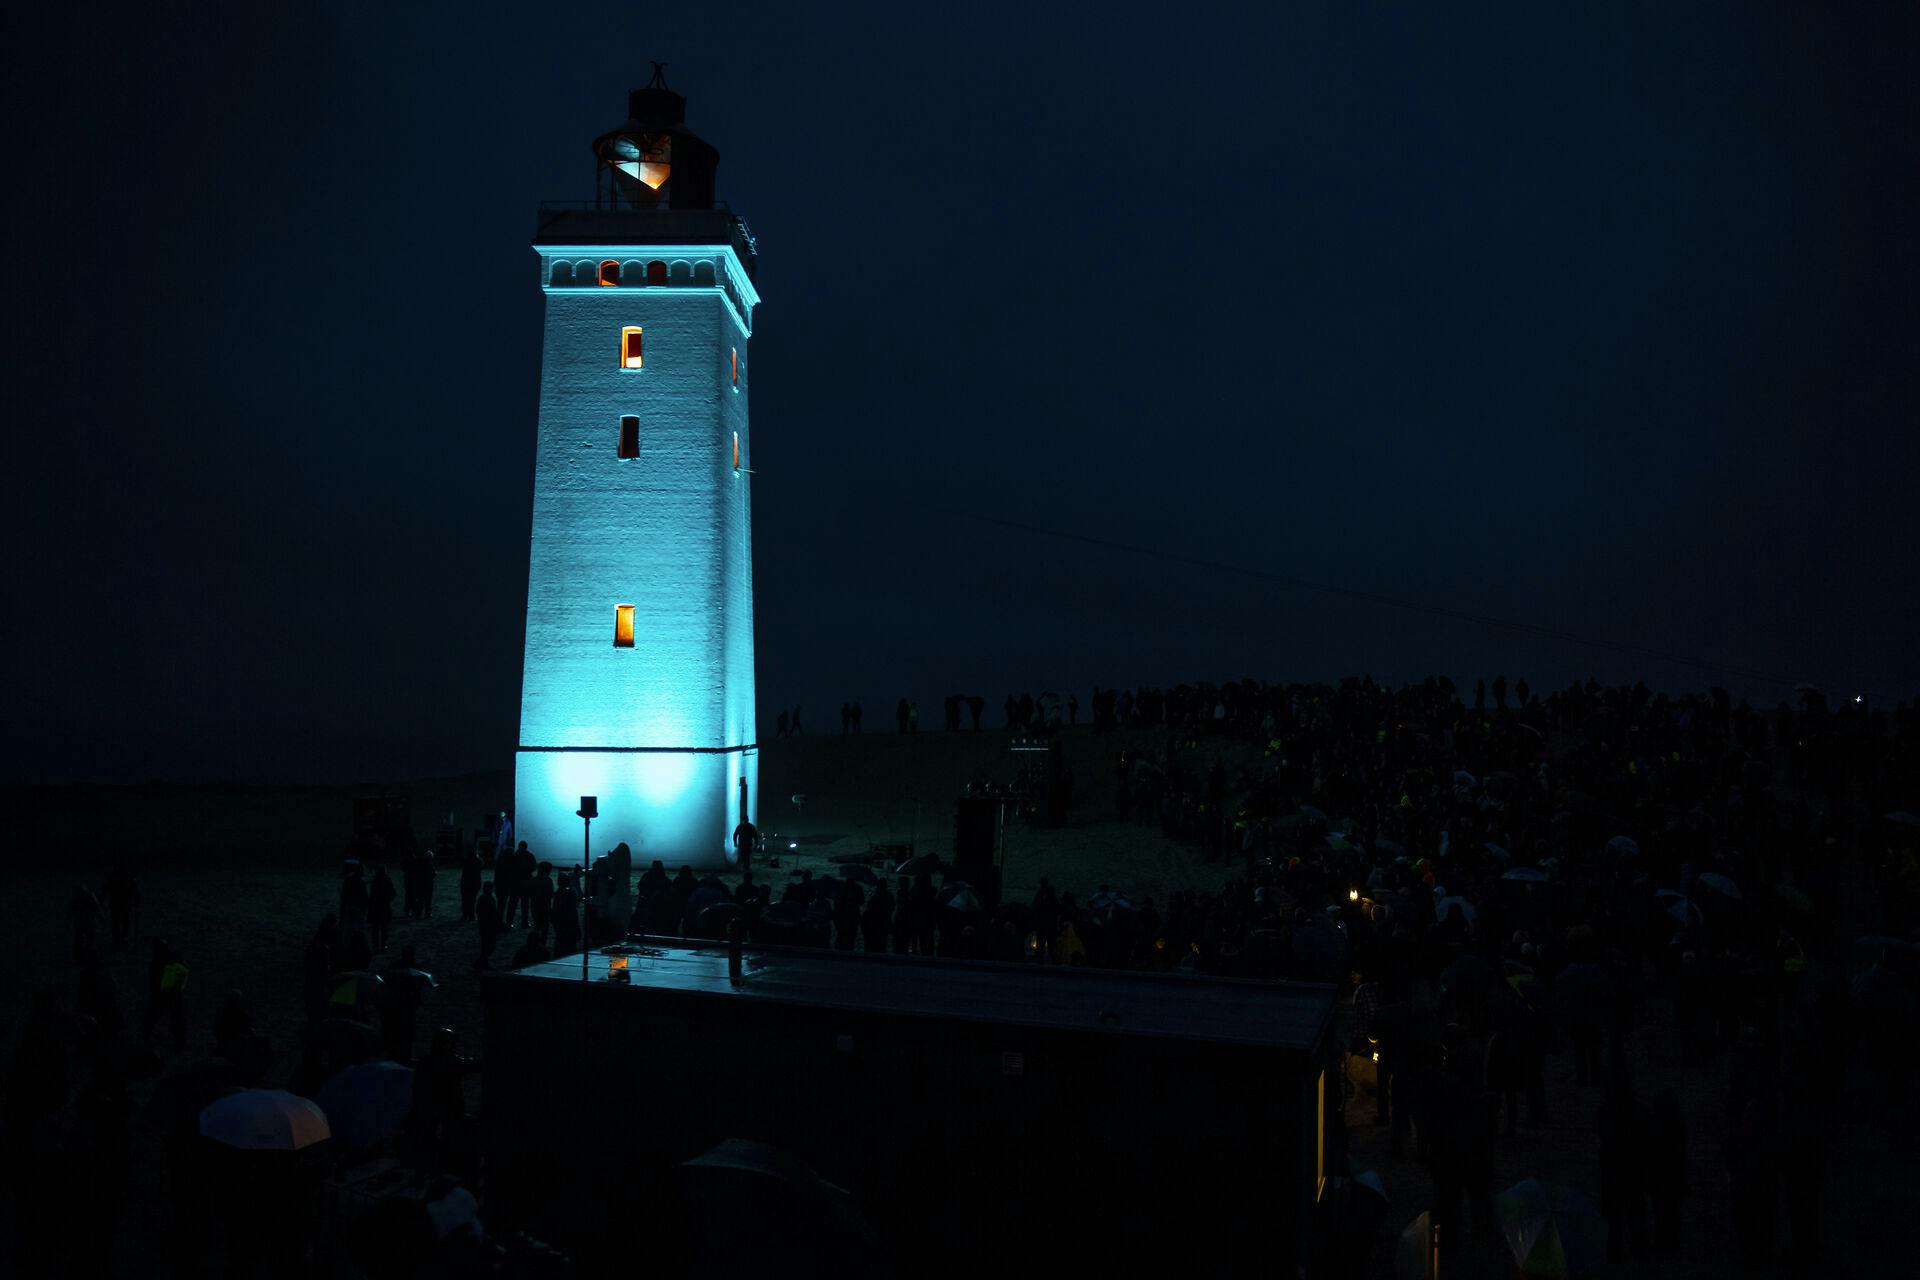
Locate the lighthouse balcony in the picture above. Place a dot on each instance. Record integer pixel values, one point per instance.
(584, 223)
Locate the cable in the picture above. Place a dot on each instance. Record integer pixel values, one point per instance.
(1529, 629)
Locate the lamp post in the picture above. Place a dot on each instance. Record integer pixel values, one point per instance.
(589, 810)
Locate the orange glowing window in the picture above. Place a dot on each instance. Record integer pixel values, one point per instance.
(736, 451)
(656, 273)
(623, 626)
(609, 272)
(736, 366)
(629, 436)
(630, 347)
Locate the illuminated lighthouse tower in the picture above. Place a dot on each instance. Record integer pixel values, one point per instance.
(638, 685)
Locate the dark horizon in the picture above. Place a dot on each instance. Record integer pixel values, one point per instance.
(1603, 328)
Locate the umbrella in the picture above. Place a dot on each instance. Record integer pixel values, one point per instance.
(1308, 811)
(351, 993)
(918, 863)
(705, 896)
(964, 900)
(178, 1100)
(1340, 844)
(264, 1120)
(1393, 847)
(1498, 853)
(419, 979)
(1580, 802)
(1719, 884)
(1413, 1257)
(1320, 950)
(1792, 898)
(1554, 1231)
(1529, 988)
(862, 875)
(1624, 847)
(1107, 901)
(1468, 973)
(1457, 903)
(1679, 906)
(712, 923)
(1464, 781)
(365, 1104)
(1018, 912)
(793, 1212)
(1527, 875)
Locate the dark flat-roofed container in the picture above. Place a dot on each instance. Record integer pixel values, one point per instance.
(981, 1114)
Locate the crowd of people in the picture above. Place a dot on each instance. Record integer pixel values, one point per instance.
(1489, 880)
(1496, 878)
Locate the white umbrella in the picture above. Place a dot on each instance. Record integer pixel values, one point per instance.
(1719, 884)
(1624, 847)
(1455, 902)
(264, 1120)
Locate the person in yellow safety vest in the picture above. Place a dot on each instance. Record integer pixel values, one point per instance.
(167, 992)
(1067, 948)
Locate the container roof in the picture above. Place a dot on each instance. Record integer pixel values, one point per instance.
(1281, 1015)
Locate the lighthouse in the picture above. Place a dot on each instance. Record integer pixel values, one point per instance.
(637, 687)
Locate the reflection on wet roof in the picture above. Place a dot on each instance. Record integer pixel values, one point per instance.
(1275, 1014)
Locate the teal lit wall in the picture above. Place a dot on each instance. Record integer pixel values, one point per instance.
(662, 732)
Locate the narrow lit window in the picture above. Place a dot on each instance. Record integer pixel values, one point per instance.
(629, 436)
(736, 451)
(656, 273)
(623, 626)
(630, 347)
(610, 272)
(736, 367)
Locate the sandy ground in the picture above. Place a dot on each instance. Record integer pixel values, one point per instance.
(241, 913)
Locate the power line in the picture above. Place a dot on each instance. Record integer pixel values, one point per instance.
(1529, 629)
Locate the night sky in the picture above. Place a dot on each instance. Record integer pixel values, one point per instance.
(1604, 324)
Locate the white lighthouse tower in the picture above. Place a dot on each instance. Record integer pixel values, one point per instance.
(638, 684)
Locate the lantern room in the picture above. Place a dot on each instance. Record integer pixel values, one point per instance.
(653, 161)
